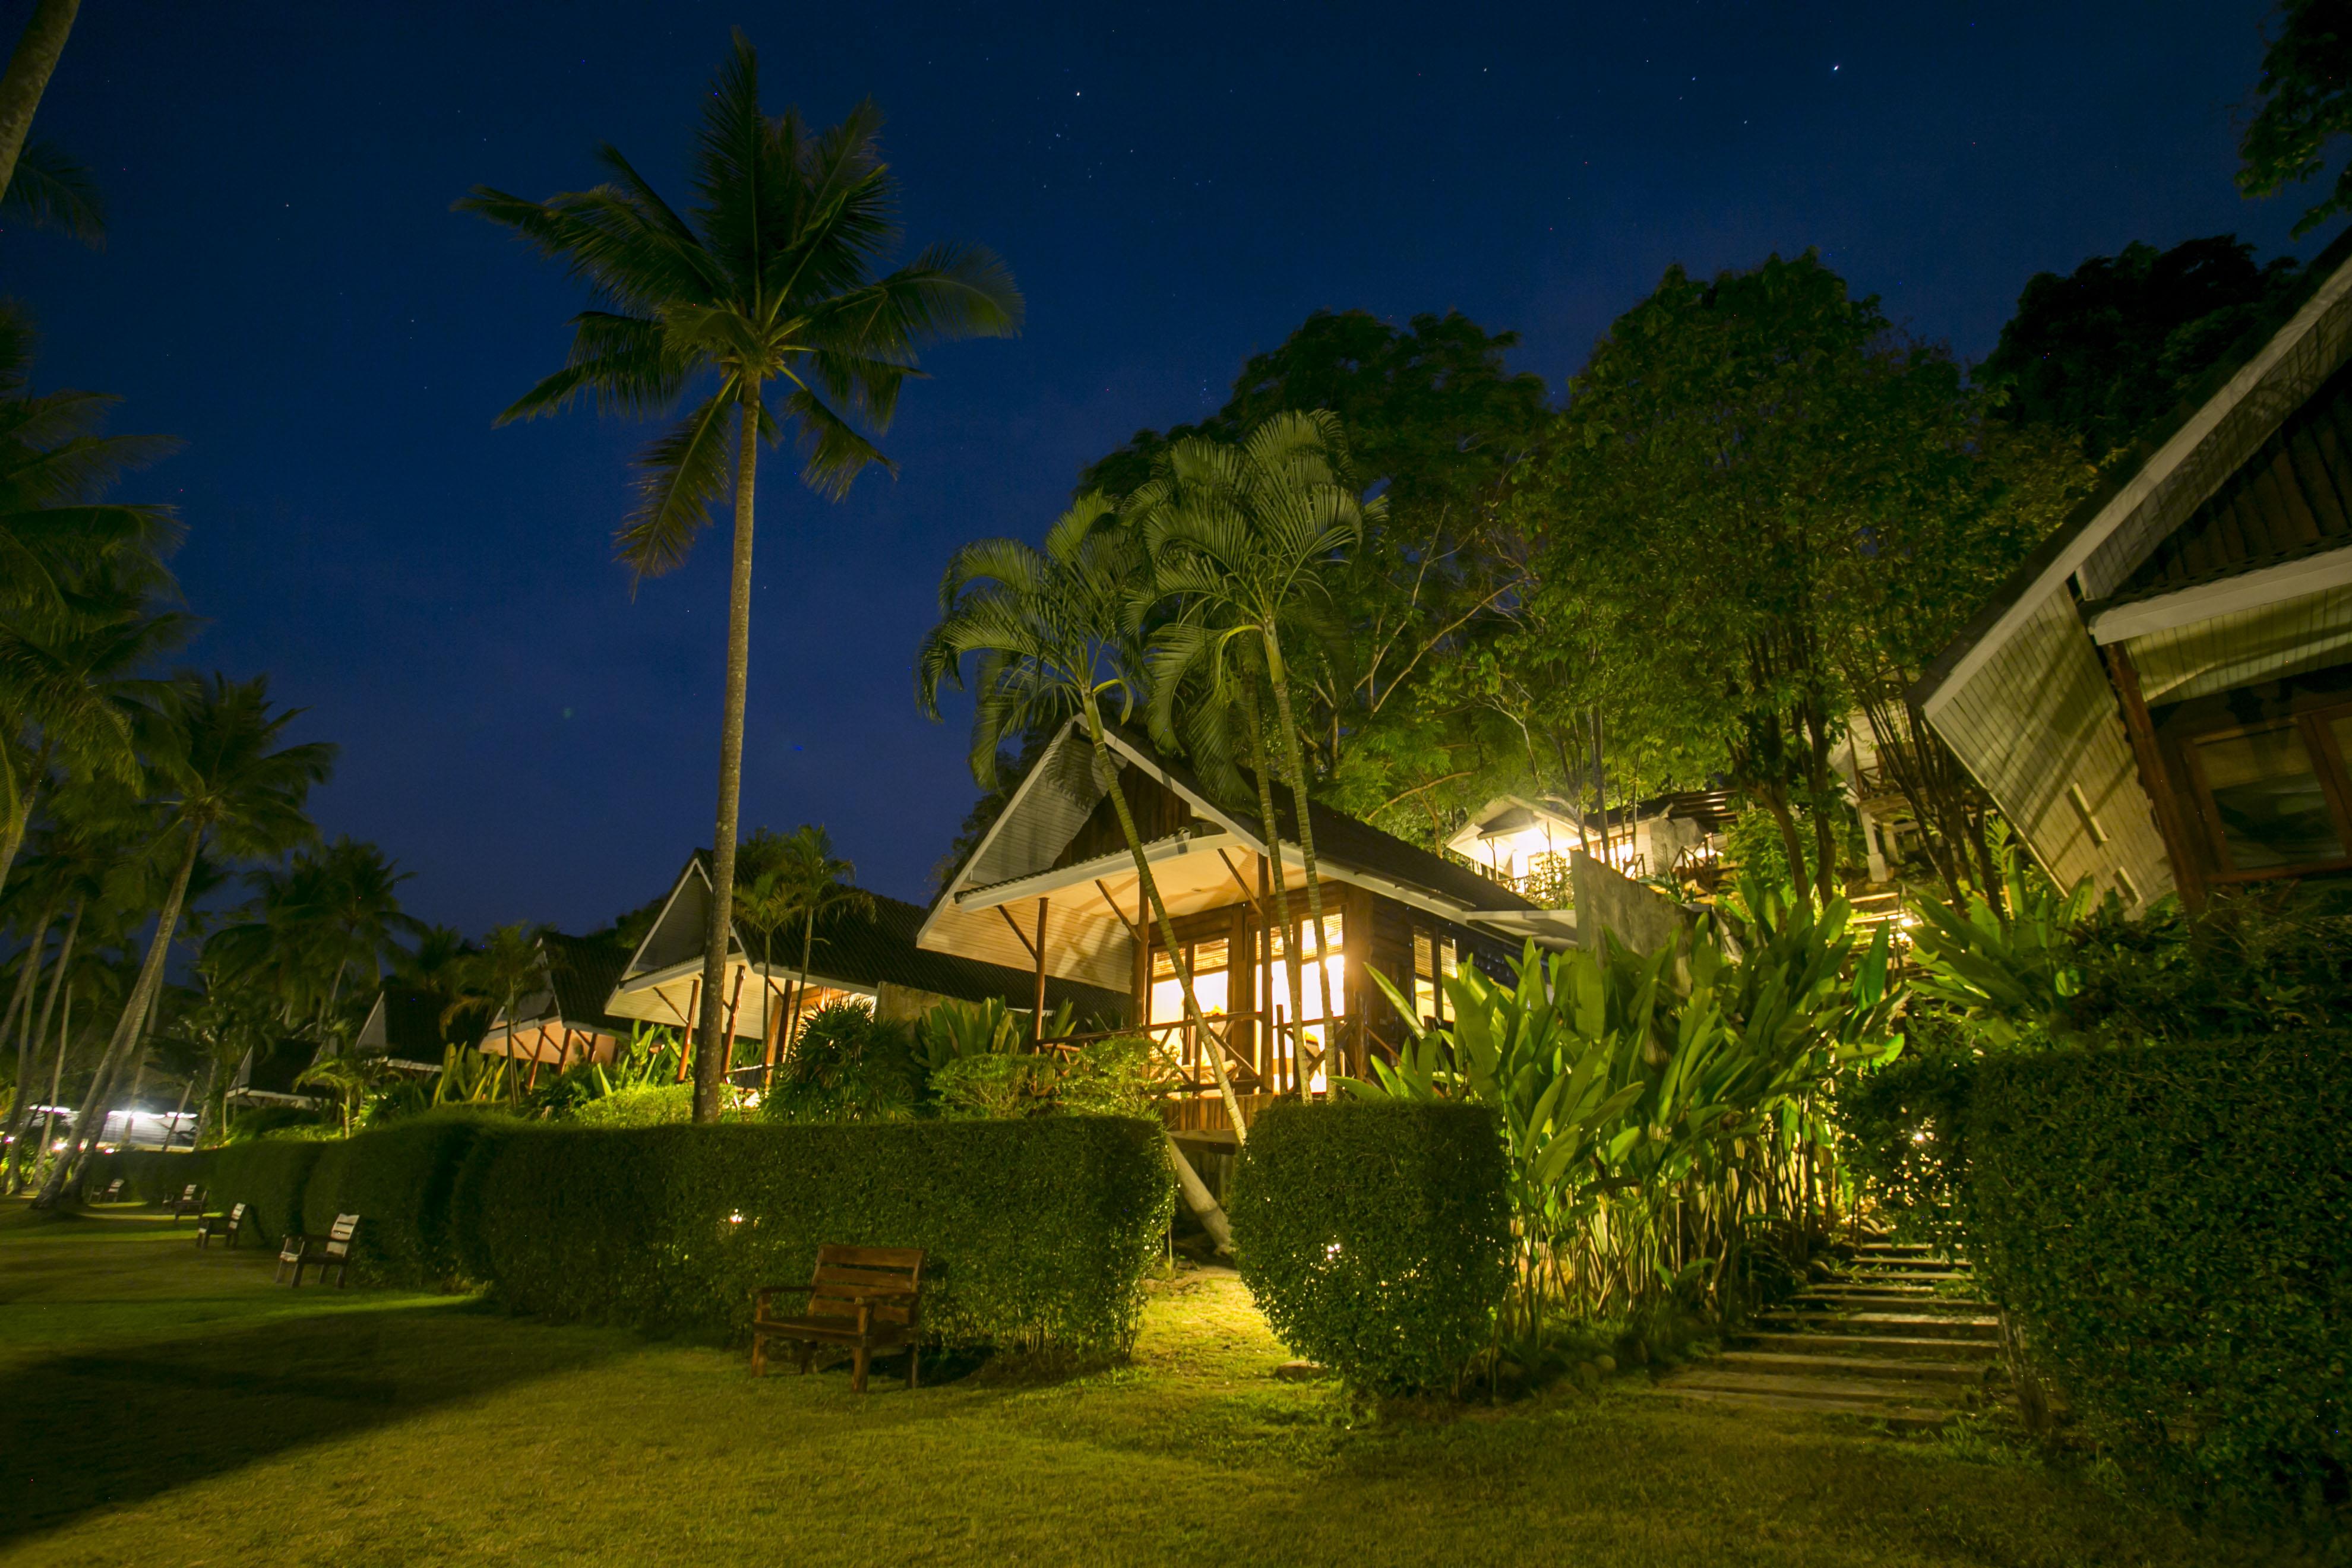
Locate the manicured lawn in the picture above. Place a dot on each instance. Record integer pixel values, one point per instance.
(160, 1405)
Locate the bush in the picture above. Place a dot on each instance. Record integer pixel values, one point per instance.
(848, 1066)
(398, 1179)
(2168, 1225)
(1105, 1077)
(654, 1105)
(1376, 1236)
(267, 1174)
(1039, 1232)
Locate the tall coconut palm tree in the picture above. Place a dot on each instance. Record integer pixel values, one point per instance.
(1247, 539)
(232, 781)
(27, 77)
(768, 288)
(1045, 631)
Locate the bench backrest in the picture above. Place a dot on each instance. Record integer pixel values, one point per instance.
(113, 1186)
(235, 1216)
(339, 1235)
(188, 1194)
(890, 1267)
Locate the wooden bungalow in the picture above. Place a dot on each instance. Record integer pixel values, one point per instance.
(1527, 844)
(565, 1020)
(1052, 888)
(403, 1030)
(2161, 697)
(872, 961)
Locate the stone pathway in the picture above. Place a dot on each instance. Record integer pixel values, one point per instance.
(1897, 1335)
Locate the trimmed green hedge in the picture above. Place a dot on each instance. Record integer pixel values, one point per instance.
(1376, 1238)
(399, 1179)
(267, 1176)
(1039, 1231)
(148, 1175)
(2172, 1227)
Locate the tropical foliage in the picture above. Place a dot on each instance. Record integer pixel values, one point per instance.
(1663, 1116)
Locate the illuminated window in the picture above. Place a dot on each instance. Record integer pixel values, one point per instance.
(2269, 808)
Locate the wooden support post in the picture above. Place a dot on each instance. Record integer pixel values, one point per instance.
(1037, 1019)
(686, 1038)
(727, 1038)
(2187, 870)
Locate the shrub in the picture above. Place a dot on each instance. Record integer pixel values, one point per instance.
(2167, 1224)
(1376, 1238)
(267, 1174)
(654, 1105)
(1105, 1077)
(1039, 1232)
(399, 1179)
(848, 1066)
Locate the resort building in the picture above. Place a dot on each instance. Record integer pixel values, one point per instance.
(2161, 697)
(1052, 888)
(873, 960)
(1527, 844)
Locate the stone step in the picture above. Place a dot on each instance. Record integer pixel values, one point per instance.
(1917, 1325)
(1923, 1263)
(1909, 1276)
(1909, 1346)
(1875, 1368)
(1835, 1298)
(1805, 1385)
(1912, 1417)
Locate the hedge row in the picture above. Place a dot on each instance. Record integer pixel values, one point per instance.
(401, 1180)
(2172, 1227)
(1039, 1231)
(1376, 1238)
(148, 1175)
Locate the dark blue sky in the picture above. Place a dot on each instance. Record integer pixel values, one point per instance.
(1174, 187)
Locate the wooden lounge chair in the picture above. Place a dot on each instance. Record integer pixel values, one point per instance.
(333, 1250)
(224, 1225)
(865, 1298)
(191, 1201)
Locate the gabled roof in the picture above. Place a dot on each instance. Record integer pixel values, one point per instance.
(2170, 472)
(1023, 858)
(403, 1027)
(850, 951)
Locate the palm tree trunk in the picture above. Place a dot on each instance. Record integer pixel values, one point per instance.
(709, 1063)
(134, 1015)
(29, 1044)
(800, 988)
(1211, 1046)
(21, 85)
(1297, 759)
(1279, 873)
(19, 1020)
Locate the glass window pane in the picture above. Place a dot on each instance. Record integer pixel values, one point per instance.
(2268, 800)
(1207, 956)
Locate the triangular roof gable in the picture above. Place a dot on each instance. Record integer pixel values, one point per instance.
(1347, 850)
(2239, 403)
(677, 934)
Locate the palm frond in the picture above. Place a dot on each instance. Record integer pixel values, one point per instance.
(683, 474)
(49, 190)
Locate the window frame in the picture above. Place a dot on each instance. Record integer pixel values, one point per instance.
(2314, 723)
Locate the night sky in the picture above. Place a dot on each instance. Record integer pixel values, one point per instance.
(1174, 188)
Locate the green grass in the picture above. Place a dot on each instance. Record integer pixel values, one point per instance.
(162, 1405)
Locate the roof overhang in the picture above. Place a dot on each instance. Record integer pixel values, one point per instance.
(2256, 590)
(2110, 537)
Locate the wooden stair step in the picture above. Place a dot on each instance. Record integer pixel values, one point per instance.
(1918, 1417)
(1801, 1386)
(1822, 1343)
(1836, 1298)
(1893, 1369)
(1928, 1325)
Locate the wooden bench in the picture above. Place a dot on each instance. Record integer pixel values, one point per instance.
(867, 1297)
(114, 1191)
(333, 1250)
(224, 1225)
(191, 1201)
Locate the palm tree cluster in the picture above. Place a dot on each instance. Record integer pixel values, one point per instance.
(1201, 600)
